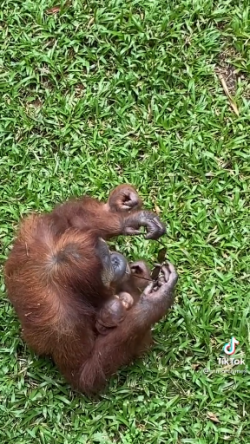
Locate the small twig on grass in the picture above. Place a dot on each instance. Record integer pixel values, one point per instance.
(231, 100)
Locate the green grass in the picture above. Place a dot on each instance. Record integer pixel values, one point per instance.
(112, 92)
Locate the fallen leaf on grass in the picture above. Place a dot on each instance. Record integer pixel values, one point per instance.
(195, 366)
(157, 210)
(90, 22)
(212, 417)
(53, 10)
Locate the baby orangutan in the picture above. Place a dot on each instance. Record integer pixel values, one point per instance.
(79, 302)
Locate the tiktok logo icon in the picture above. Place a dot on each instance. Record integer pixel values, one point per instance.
(229, 347)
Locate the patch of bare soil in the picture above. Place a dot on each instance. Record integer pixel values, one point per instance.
(230, 74)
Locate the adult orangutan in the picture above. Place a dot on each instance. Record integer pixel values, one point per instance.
(79, 303)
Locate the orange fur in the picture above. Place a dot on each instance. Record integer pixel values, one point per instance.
(53, 279)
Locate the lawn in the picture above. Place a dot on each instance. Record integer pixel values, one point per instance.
(155, 93)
